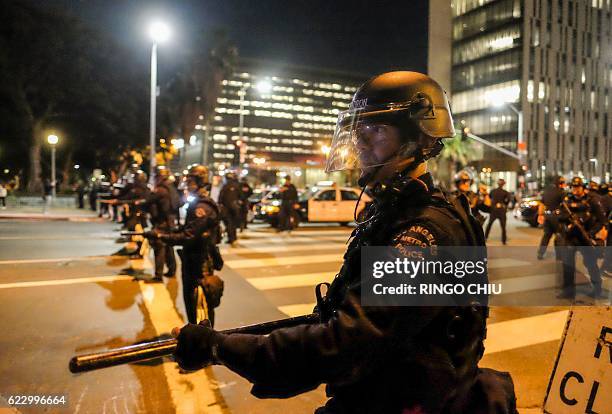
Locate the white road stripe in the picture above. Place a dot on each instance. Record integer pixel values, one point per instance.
(283, 248)
(264, 234)
(55, 260)
(501, 336)
(528, 283)
(191, 393)
(522, 332)
(290, 281)
(282, 261)
(504, 262)
(297, 309)
(290, 239)
(38, 283)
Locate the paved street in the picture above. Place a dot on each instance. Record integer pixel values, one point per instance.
(61, 294)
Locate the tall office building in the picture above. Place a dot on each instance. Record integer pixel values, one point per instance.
(549, 60)
(285, 127)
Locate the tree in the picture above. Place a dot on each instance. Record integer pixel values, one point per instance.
(193, 92)
(457, 153)
(57, 74)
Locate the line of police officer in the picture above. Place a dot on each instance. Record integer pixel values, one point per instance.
(580, 222)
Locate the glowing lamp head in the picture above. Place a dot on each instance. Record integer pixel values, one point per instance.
(52, 139)
(159, 32)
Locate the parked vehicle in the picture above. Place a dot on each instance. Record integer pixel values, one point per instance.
(321, 204)
(528, 210)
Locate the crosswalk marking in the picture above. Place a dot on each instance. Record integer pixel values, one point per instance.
(297, 309)
(281, 261)
(283, 248)
(54, 260)
(283, 282)
(291, 238)
(507, 335)
(266, 234)
(505, 262)
(501, 336)
(38, 283)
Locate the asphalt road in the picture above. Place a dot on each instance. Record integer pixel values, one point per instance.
(61, 294)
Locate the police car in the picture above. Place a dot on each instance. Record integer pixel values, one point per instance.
(323, 203)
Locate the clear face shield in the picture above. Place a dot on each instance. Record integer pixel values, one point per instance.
(368, 136)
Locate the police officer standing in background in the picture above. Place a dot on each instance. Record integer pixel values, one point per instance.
(229, 202)
(245, 192)
(289, 197)
(500, 199)
(386, 359)
(478, 202)
(590, 217)
(198, 236)
(163, 205)
(551, 200)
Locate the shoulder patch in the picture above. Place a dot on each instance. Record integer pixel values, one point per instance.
(200, 212)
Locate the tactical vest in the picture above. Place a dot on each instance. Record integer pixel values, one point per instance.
(458, 331)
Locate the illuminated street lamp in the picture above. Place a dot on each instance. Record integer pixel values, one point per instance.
(263, 86)
(159, 33)
(53, 140)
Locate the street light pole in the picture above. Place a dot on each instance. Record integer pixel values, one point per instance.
(153, 162)
(53, 140)
(159, 32)
(521, 138)
(53, 182)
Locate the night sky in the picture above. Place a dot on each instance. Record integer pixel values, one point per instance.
(359, 36)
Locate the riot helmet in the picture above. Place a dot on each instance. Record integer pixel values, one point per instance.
(199, 174)
(577, 182)
(140, 177)
(463, 175)
(406, 114)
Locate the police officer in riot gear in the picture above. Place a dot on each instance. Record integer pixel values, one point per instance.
(500, 199)
(163, 206)
(229, 201)
(551, 200)
(198, 236)
(382, 359)
(588, 216)
(478, 202)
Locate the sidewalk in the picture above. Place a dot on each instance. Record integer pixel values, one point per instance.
(52, 213)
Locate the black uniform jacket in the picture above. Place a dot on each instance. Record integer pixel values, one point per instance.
(374, 358)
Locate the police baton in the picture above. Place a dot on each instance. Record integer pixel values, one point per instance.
(149, 350)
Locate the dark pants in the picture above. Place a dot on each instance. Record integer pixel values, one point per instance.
(191, 274)
(231, 220)
(549, 231)
(3, 201)
(285, 216)
(164, 255)
(244, 213)
(568, 257)
(501, 216)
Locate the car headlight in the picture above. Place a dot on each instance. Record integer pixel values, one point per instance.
(270, 209)
(533, 203)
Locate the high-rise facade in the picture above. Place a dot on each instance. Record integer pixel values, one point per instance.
(285, 127)
(550, 61)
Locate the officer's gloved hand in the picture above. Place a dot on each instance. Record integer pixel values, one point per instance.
(194, 347)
